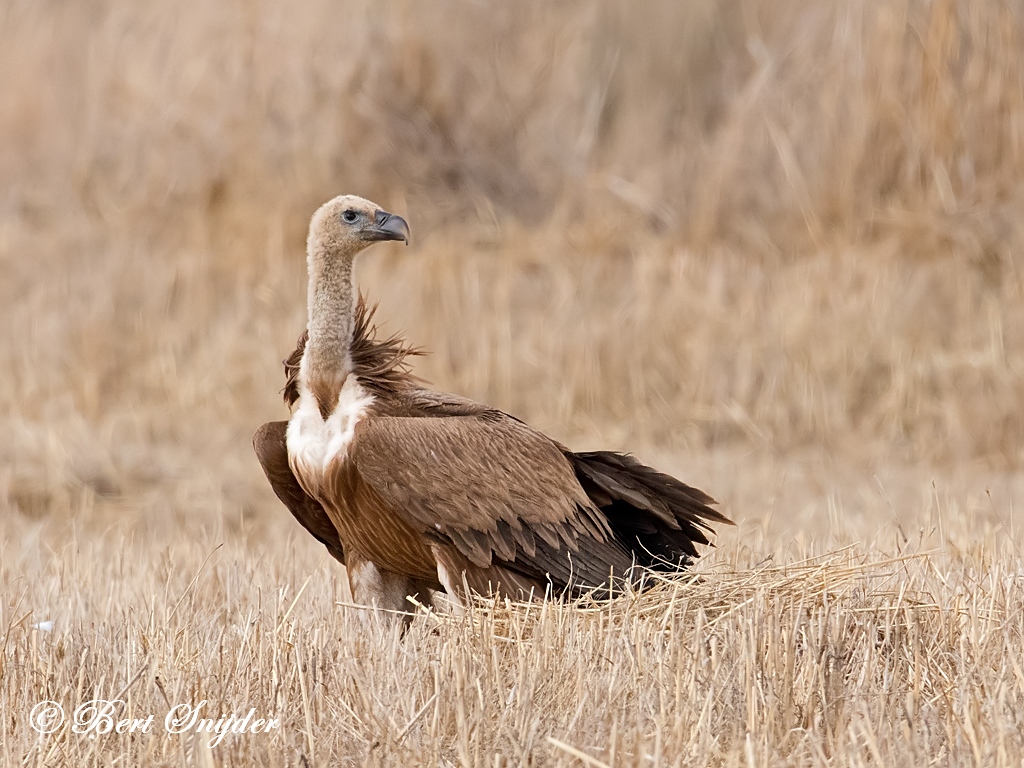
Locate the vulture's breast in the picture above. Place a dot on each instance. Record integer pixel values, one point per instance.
(314, 443)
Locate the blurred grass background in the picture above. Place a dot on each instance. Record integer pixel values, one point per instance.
(777, 226)
(774, 247)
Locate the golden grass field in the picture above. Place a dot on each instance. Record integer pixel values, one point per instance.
(772, 247)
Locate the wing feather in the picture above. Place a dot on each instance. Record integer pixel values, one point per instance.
(495, 488)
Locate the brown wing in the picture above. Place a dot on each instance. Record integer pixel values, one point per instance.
(272, 451)
(495, 489)
(658, 518)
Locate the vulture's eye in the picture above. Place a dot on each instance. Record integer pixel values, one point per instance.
(350, 217)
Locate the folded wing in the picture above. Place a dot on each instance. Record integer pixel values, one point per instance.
(493, 488)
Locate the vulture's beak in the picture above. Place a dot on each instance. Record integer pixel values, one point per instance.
(387, 226)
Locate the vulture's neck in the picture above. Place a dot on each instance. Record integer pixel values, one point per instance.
(327, 361)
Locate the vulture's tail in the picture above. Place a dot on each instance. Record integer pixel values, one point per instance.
(658, 517)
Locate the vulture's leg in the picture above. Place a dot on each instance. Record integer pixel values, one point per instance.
(272, 451)
(384, 590)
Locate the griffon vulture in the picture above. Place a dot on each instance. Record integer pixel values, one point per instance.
(417, 490)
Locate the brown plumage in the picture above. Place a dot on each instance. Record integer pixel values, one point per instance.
(415, 489)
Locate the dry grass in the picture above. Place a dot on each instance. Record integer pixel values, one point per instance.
(850, 645)
(772, 246)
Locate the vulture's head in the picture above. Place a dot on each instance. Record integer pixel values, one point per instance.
(347, 224)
